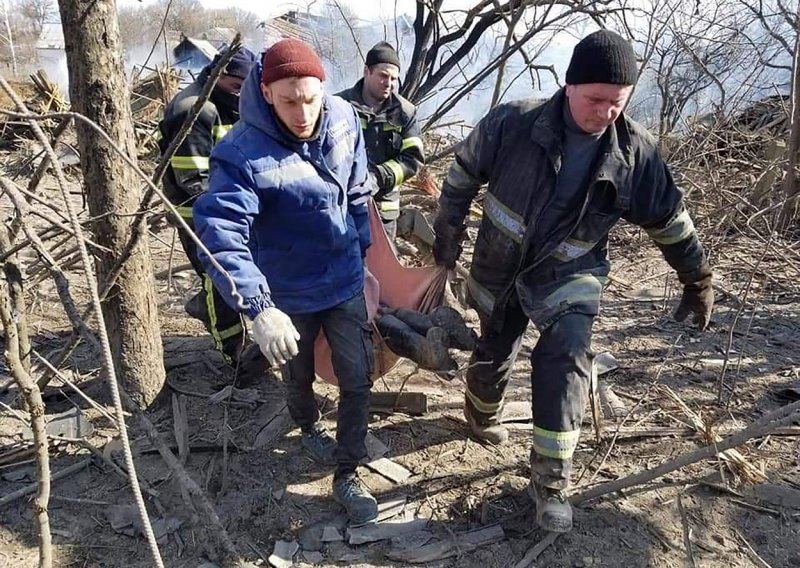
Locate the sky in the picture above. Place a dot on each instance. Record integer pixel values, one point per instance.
(370, 9)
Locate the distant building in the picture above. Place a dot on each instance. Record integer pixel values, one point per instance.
(193, 54)
(285, 27)
(219, 37)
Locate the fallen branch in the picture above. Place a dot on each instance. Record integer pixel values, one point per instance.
(765, 425)
(28, 489)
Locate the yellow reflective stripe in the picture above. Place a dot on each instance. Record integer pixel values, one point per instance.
(393, 205)
(481, 295)
(189, 162)
(412, 142)
(583, 288)
(363, 122)
(558, 445)
(481, 406)
(218, 131)
(389, 127)
(212, 314)
(678, 229)
(502, 217)
(396, 169)
(231, 331)
(185, 212)
(571, 249)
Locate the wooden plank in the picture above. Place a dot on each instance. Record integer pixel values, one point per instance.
(390, 470)
(384, 531)
(413, 403)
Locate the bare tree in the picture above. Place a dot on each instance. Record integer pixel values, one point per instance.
(444, 40)
(98, 91)
(36, 12)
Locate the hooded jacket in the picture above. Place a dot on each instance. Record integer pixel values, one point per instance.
(286, 218)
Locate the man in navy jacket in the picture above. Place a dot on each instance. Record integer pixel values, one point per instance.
(286, 217)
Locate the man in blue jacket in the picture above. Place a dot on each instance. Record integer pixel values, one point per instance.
(286, 217)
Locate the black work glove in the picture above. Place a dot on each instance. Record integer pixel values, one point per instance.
(447, 245)
(698, 297)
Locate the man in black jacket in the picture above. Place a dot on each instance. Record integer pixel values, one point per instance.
(394, 145)
(560, 175)
(187, 177)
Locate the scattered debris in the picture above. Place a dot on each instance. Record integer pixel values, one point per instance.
(283, 554)
(313, 557)
(69, 424)
(412, 403)
(276, 425)
(605, 362)
(331, 534)
(778, 495)
(249, 396)
(375, 448)
(463, 542)
(391, 508)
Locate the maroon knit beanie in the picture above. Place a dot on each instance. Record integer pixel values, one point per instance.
(290, 58)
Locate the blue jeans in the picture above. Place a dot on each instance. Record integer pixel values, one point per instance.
(350, 336)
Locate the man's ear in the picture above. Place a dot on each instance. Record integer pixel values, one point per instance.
(266, 92)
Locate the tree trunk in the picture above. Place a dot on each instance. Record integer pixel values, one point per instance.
(98, 90)
(790, 186)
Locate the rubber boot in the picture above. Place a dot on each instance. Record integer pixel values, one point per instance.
(553, 511)
(429, 351)
(495, 434)
(460, 336)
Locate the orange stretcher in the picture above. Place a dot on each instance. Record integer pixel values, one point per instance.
(391, 284)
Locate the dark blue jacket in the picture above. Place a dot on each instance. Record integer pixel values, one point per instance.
(286, 218)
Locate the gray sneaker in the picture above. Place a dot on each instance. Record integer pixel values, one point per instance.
(349, 491)
(553, 511)
(320, 445)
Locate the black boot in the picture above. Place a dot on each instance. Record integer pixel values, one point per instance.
(429, 351)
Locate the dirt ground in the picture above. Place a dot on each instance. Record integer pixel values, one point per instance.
(706, 515)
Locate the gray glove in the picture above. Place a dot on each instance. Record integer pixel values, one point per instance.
(276, 336)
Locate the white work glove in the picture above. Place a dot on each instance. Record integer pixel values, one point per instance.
(276, 336)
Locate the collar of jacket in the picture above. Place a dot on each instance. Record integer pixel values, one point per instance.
(356, 95)
(616, 154)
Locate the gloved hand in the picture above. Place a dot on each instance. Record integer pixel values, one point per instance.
(697, 299)
(447, 245)
(275, 334)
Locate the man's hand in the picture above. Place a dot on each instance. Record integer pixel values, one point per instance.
(697, 299)
(275, 334)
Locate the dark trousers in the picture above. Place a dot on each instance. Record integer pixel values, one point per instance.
(561, 365)
(350, 337)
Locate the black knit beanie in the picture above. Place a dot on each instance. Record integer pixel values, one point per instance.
(602, 57)
(382, 52)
